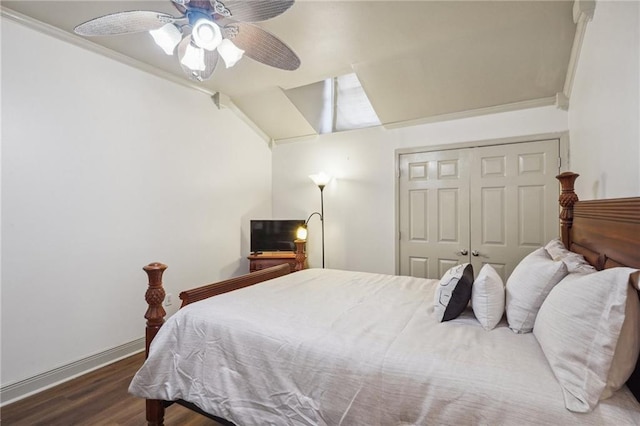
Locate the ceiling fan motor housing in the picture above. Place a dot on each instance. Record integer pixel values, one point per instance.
(205, 33)
(194, 14)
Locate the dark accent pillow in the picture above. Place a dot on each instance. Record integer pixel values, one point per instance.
(454, 292)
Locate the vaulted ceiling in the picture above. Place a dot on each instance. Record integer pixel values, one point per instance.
(417, 60)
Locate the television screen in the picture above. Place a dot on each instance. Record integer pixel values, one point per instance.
(274, 235)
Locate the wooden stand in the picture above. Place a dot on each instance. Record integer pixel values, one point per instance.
(301, 256)
(297, 260)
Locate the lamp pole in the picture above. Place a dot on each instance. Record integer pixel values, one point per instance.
(321, 179)
(322, 219)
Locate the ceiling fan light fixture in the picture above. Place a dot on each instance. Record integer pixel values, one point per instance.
(193, 58)
(167, 37)
(230, 53)
(206, 34)
(205, 22)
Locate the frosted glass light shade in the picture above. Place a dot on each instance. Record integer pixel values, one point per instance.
(230, 52)
(206, 34)
(167, 37)
(321, 179)
(301, 233)
(193, 58)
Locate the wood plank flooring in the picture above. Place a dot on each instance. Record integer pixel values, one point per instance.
(98, 398)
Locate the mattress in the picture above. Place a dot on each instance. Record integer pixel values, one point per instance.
(330, 347)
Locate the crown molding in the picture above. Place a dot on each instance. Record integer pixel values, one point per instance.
(293, 139)
(223, 101)
(515, 106)
(562, 101)
(583, 11)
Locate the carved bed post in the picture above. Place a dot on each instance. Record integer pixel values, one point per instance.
(567, 199)
(154, 297)
(155, 318)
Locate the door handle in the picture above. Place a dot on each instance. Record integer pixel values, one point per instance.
(475, 253)
(463, 252)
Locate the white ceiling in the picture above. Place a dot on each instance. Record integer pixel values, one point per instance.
(417, 60)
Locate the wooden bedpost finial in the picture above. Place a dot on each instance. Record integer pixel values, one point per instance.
(154, 297)
(567, 199)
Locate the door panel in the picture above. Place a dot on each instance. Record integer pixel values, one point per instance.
(497, 202)
(531, 200)
(514, 190)
(494, 207)
(418, 266)
(448, 220)
(434, 209)
(418, 215)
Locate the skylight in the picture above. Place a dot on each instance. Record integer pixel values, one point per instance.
(335, 104)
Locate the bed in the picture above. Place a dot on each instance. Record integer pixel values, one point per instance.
(330, 347)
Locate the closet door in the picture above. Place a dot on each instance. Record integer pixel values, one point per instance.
(514, 202)
(491, 204)
(434, 212)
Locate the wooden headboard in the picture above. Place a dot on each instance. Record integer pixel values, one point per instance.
(606, 233)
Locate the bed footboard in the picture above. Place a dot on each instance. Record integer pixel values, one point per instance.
(155, 314)
(204, 292)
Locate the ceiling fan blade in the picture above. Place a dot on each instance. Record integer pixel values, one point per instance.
(210, 61)
(124, 23)
(180, 6)
(256, 10)
(262, 46)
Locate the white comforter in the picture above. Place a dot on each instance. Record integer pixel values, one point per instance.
(328, 347)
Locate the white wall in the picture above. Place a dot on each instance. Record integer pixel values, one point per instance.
(104, 169)
(604, 115)
(360, 202)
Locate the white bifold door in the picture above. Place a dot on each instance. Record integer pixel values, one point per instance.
(490, 204)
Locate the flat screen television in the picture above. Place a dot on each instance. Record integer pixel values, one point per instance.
(274, 235)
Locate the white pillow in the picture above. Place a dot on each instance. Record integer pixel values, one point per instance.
(487, 297)
(528, 286)
(453, 292)
(578, 329)
(627, 348)
(575, 262)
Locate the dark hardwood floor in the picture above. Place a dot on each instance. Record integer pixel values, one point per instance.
(96, 398)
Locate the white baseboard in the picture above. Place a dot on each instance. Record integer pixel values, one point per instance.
(24, 388)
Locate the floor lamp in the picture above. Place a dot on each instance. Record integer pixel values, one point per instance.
(320, 179)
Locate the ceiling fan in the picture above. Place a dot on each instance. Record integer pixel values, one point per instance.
(206, 31)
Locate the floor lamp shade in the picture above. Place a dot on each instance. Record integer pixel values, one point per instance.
(321, 179)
